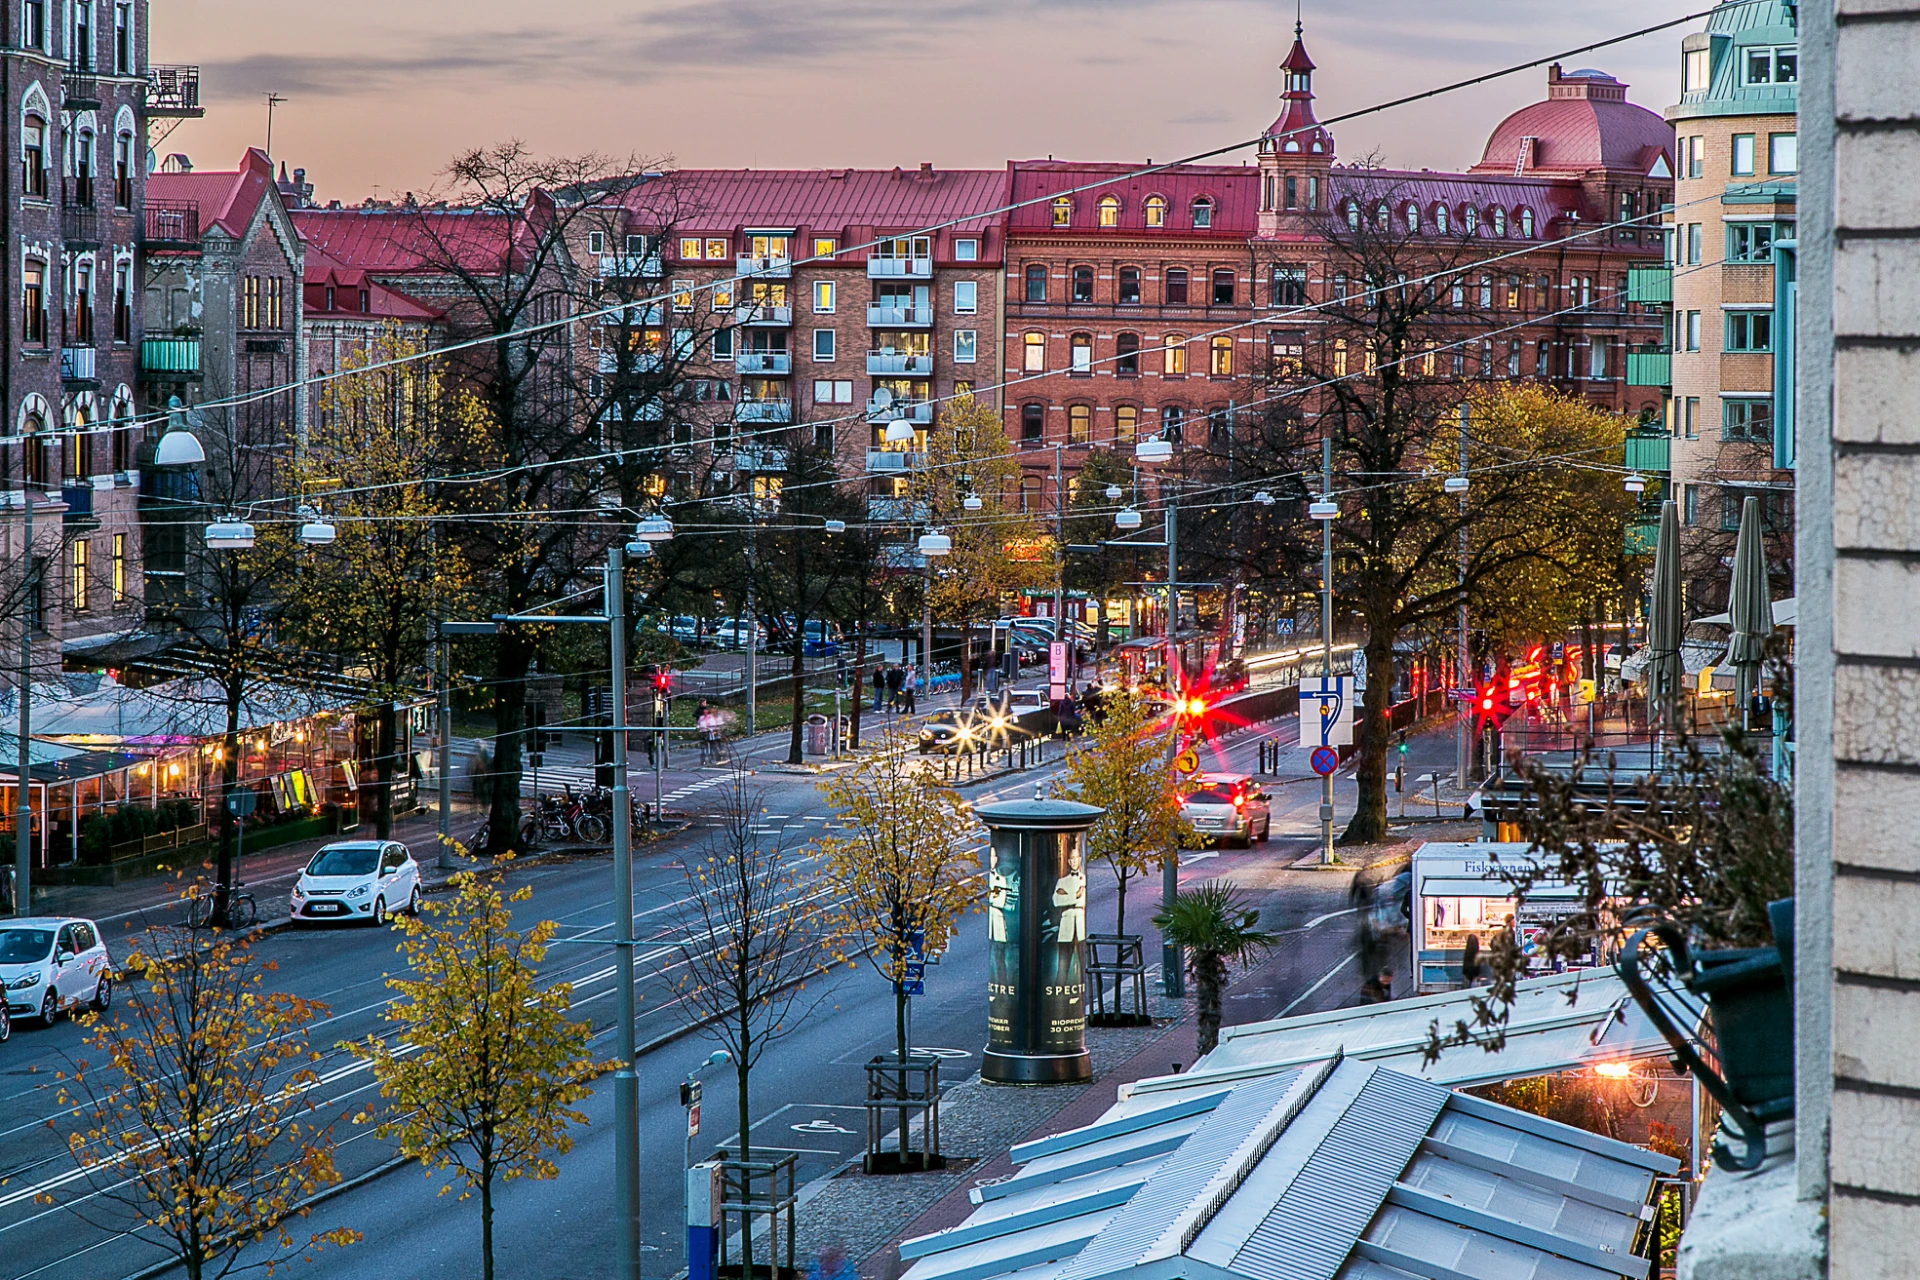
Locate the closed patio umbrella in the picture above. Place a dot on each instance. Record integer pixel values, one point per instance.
(1665, 623)
(1748, 608)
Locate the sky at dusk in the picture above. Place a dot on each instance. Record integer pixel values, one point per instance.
(381, 92)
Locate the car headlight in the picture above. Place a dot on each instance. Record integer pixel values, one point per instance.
(25, 981)
(360, 891)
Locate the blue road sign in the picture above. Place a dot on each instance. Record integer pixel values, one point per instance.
(1324, 760)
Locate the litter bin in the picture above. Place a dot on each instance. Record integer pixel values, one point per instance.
(817, 738)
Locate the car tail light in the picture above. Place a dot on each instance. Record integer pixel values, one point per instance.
(1239, 800)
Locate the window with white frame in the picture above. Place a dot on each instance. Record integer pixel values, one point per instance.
(833, 391)
(966, 297)
(966, 250)
(723, 344)
(823, 297)
(596, 242)
(965, 344)
(823, 344)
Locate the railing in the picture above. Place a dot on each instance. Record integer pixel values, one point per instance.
(80, 90)
(1648, 450)
(896, 509)
(173, 91)
(912, 364)
(887, 315)
(763, 411)
(1649, 367)
(763, 313)
(767, 362)
(170, 222)
(79, 223)
(915, 411)
(76, 364)
(893, 460)
(649, 410)
(617, 265)
(1650, 285)
(774, 268)
(175, 357)
(899, 268)
(759, 457)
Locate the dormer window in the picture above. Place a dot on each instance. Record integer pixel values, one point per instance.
(1202, 213)
(1526, 224)
(1500, 222)
(1772, 66)
(1470, 221)
(1353, 216)
(1293, 145)
(1440, 218)
(1156, 211)
(1062, 211)
(1382, 218)
(1413, 219)
(1109, 211)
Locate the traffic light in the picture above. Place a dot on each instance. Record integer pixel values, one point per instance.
(663, 680)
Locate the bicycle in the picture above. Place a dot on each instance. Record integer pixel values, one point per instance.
(242, 911)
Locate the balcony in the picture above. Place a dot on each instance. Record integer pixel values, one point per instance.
(763, 313)
(1640, 535)
(887, 315)
(899, 268)
(1648, 451)
(638, 362)
(759, 457)
(889, 363)
(623, 266)
(774, 363)
(170, 224)
(80, 91)
(1649, 367)
(80, 221)
(899, 510)
(170, 359)
(1650, 285)
(893, 460)
(919, 412)
(635, 317)
(174, 91)
(780, 411)
(77, 368)
(764, 268)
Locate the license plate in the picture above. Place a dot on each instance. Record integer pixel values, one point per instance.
(323, 908)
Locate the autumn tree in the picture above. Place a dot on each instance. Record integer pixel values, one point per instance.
(998, 549)
(368, 601)
(484, 1068)
(200, 1117)
(901, 866)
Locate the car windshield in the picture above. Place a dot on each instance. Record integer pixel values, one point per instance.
(1210, 796)
(24, 946)
(345, 860)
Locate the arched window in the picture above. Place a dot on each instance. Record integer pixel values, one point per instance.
(1382, 218)
(1126, 348)
(35, 450)
(1413, 218)
(123, 171)
(1062, 211)
(1082, 285)
(1526, 223)
(1173, 355)
(1440, 218)
(1353, 215)
(1079, 424)
(1109, 211)
(1126, 424)
(1499, 221)
(1469, 221)
(1034, 353)
(83, 302)
(1156, 211)
(1202, 213)
(33, 157)
(33, 302)
(1173, 422)
(83, 168)
(1033, 423)
(1220, 357)
(1081, 347)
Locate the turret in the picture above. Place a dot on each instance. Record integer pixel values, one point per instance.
(1296, 153)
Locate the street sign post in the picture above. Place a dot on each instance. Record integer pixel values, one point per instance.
(1057, 656)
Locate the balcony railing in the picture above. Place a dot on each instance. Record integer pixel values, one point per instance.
(174, 91)
(171, 224)
(899, 268)
(1640, 535)
(80, 222)
(759, 457)
(897, 363)
(170, 358)
(893, 460)
(763, 313)
(1648, 450)
(896, 509)
(1650, 285)
(635, 316)
(887, 315)
(766, 268)
(1649, 367)
(614, 266)
(776, 363)
(638, 362)
(76, 364)
(80, 90)
(763, 411)
(915, 411)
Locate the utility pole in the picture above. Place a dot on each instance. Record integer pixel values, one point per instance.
(1463, 748)
(1172, 972)
(1059, 539)
(446, 859)
(753, 623)
(22, 806)
(626, 1082)
(1326, 638)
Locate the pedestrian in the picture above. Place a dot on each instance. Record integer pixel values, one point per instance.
(1377, 989)
(831, 1265)
(895, 677)
(906, 690)
(1470, 967)
(880, 687)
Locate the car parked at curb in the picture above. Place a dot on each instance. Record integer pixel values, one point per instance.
(50, 965)
(366, 881)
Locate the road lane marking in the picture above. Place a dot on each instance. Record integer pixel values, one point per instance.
(1345, 961)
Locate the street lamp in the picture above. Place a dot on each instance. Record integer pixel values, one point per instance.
(1126, 518)
(179, 447)
(1636, 483)
(229, 533)
(1457, 484)
(835, 526)
(1264, 498)
(1323, 510)
(972, 502)
(899, 431)
(1150, 452)
(317, 530)
(714, 1059)
(654, 528)
(935, 543)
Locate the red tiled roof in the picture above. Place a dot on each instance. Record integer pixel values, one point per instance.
(395, 241)
(347, 281)
(227, 198)
(1572, 135)
(1234, 190)
(850, 205)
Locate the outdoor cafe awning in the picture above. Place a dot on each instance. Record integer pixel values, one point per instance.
(176, 711)
(51, 764)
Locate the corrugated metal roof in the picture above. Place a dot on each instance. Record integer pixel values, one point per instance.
(227, 198)
(408, 240)
(1233, 189)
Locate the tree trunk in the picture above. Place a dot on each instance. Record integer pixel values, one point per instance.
(853, 723)
(229, 774)
(486, 1228)
(794, 755)
(386, 738)
(1209, 975)
(900, 1022)
(1370, 745)
(510, 674)
(966, 661)
(1120, 911)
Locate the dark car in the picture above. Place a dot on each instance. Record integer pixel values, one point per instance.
(988, 723)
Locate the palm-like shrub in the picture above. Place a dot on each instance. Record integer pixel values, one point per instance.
(1217, 927)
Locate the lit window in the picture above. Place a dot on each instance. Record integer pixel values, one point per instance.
(717, 250)
(690, 248)
(1079, 424)
(1062, 212)
(1220, 362)
(1081, 346)
(81, 550)
(966, 297)
(1126, 424)
(723, 295)
(1202, 213)
(119, 568)
(823, 296)
(1109, 211)
(683, 295)
(824, 246)
(1035, 359)
(1174, 356)
(965, 344)
(1156, 211)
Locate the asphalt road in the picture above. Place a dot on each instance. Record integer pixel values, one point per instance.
(805, 1092)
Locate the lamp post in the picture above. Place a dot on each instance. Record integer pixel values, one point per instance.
(22, 806)
(714, 1059)
(1154, 452)
(446, 631)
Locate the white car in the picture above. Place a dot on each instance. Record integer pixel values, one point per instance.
(50, 964)
(1228, 807)
(364, 880)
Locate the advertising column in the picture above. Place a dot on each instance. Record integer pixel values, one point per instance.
(1037, 932)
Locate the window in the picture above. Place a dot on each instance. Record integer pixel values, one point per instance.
(824, 246)
(123, 171)
(81, 56)
(965, 345)
(1753, 241)
(1692, 336)
(1202, 213)
(1353, 216)
(1459, 298)
(1742, 155)
(1126, 424)
(966, 297)
(723, 344)
(1783, 153)
(1730, 500)
(1176, 286)
(1470, 221)
(1694, 65)
(1500, 222)
(83, 302)
(1690, 420)
(1223, 288)
(823, 344)
(82, 549)
(80, 451)
(1079, 424)
(1109, 211)
(1035, 359)
(1597, 357)
(1156, 211)
(1291, 187)
(1749, 331)
(1173, 423)
(1513, 359)
(1082, 284)
(833, 391)
(1771, 66)
(1287, 350)
(1174, 356)
(33, 24)
(1747, 420)
(1696, 156)
(1695, 243)
(1033, 423)
(1513, 293)
(596, 242)
(717, 249)
(963, 388)
(1129, 287)
(1383, 217)
(823, 297)
(1081, 345)
(1689, 504)
(1411, 216)
(1062, 211)
(1220, 357)
(33, 303)
(683, 295)
(33, 158)
(1440, 218)
(1339, 357)
(690, 248)
(1289, 284)
(1526, 224)
(723, 295)
(119, 567)
(1542, 359)
(967, 250)
(275, 302)
(1127, 355)
(1486, 293)
(636, 246)
(1036, 283)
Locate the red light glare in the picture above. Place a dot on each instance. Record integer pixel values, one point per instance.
(1196, 706)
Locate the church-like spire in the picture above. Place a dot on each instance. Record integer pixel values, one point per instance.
(1297, 131)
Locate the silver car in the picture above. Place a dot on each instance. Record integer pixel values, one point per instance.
(1228, 807)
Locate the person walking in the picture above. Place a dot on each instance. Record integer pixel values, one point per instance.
(906, 690)
(880, 687)
(895, 676)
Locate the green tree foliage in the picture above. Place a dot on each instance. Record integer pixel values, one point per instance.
(1217, 927)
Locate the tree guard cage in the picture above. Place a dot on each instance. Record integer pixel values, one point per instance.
(1119, 957)
(752, 1190)
(902, 1091)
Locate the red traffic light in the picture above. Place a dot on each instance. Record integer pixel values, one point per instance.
(663, 679)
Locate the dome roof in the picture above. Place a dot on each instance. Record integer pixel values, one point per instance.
(1585, 123)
